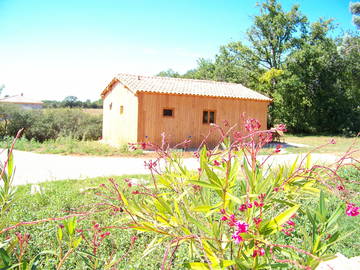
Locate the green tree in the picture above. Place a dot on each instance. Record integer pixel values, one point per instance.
(71, 102)
(169, 73)
(355, 10)
(312, 95)
(275, 33)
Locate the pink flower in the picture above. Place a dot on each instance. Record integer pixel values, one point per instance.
(340, 187)
(332, 141)
(236, 236)
(249, 205)
(352, 210)
(261, 252)
(232, 220)
(257, 220)
(291, 223)
(222, 211)
(224, 218)
(252, 125)
(242, 227)
(242, 207)
(281, 127)
(216, 163)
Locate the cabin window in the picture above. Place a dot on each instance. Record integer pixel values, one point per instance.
(168, 112)
(110, 106)
(208, 117)
(121, 109)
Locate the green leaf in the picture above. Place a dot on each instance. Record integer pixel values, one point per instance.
(5, 258)
(199, 225)
(308, 161)
(76, 242)
(197, 266)
(123, 198)
(322, 206)
(210, 254)
(59, 234)
(10, 165)
(204, 184)
(202, 208)
(275, 224)
(213, 178)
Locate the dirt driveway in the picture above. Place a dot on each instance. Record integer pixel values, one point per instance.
(36, 168)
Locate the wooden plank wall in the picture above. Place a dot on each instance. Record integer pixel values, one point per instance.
(120, 128)
(187, 120)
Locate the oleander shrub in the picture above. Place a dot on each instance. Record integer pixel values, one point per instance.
(238, 210)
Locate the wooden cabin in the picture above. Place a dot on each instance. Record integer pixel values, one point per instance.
(140, 108)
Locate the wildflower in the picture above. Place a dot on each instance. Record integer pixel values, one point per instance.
(332, 141)
(133, 239)
(258, 252)
(242, 227)
(242, 207)
(340, 187)
(216, 163)
(281, 127)
(135, 192)
(352, 210)
(249, 205)
(224, 218)
(129, 184)
(222, 211)
(291, 223)
(252, 125)
(236, 236)
(257, 220)
(103, 235)
(232, 220)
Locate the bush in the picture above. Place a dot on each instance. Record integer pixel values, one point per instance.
(234, 212)
(46, 124)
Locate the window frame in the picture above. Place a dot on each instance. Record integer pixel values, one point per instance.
(208, 111)
(168, 116)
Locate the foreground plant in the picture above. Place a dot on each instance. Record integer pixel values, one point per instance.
(236, 212)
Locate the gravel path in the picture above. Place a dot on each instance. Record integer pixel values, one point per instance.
(36, 168)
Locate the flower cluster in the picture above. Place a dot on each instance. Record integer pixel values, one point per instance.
(289, 226)
(352, 210)
(258, 252)
(252, 125)
(240, 226)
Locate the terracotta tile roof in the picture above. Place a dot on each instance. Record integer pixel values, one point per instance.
(19, 99)
(168, 85)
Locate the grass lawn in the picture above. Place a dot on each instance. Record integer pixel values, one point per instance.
(57, 200)
(70, 146)
(341, 146)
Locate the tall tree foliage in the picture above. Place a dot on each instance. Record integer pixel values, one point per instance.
(355, 10)
(312, 77)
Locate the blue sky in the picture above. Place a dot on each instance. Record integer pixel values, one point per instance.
(53, 49)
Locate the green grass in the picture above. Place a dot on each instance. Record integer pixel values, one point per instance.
(341, 146)
(70, 146)
(58, 198)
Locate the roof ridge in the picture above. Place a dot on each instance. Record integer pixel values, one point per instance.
(179, 79)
